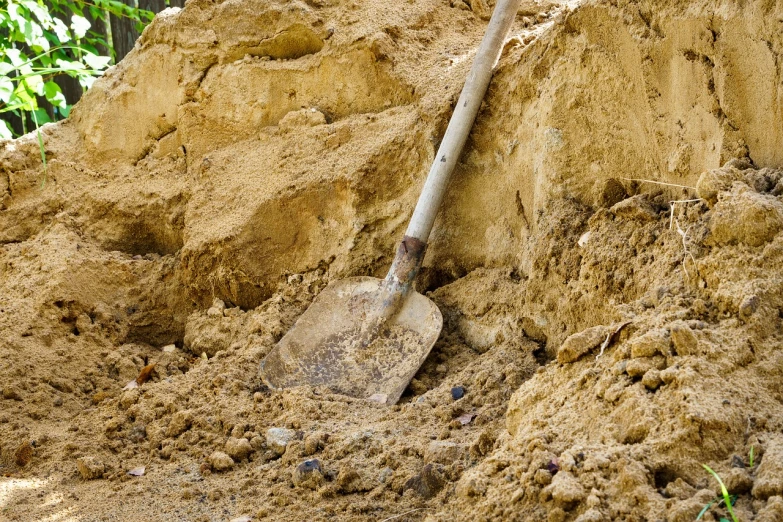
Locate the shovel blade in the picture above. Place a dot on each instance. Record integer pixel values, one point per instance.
(325, 348)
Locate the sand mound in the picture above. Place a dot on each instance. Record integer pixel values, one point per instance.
(604, 334)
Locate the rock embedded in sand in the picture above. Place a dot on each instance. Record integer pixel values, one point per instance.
(220, 461)
(90, 467)
(180, 422)
(238, 449)
(769, 476)
(308, 474)
(428, 482)
(575, 346)
(457, 392)
(278, 438)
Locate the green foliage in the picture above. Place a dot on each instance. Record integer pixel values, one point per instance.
(727, 499)
(40, 41)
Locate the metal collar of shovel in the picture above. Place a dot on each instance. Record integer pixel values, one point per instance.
(367, 337)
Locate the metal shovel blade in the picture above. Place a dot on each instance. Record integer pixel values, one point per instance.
(325, 347)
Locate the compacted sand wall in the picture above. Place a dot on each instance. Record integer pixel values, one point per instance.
(619, 195)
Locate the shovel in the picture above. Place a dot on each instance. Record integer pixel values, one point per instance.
(366, 337)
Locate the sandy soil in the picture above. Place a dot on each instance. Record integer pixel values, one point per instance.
(608, 263)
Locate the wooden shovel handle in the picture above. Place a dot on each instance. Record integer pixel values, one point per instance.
(462, 120)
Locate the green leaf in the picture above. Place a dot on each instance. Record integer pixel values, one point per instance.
(95, 61)
(65, 111)
(67, 65)
(54, 94)
(16, 56)
(41, 116)
(80, 25)
(61, 30)
(5, 131)
(6, 89)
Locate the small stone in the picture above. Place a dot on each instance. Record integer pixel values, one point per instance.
(427, 483)
(220, 461)
(457, 392)
(685, 341)
(58, 401)
(575, 346)
(651, 343)
(566, 488)
(90, 468)
(308, 474)
(278, 438)
(180, 422)
(385, 474)
(169, 348)
(238, 449)
(652, 379)
(445, 452)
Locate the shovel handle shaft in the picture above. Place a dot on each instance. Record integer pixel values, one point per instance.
(462, 120)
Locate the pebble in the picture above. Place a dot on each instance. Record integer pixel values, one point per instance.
(220, 461)
(458, 392)
(428, 482)
(278, 438)
(308, 474)
(90, 468)
(385, 474)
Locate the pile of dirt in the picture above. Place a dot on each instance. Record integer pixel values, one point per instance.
(607, 262)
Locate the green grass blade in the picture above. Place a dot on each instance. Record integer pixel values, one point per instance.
(724, 492)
